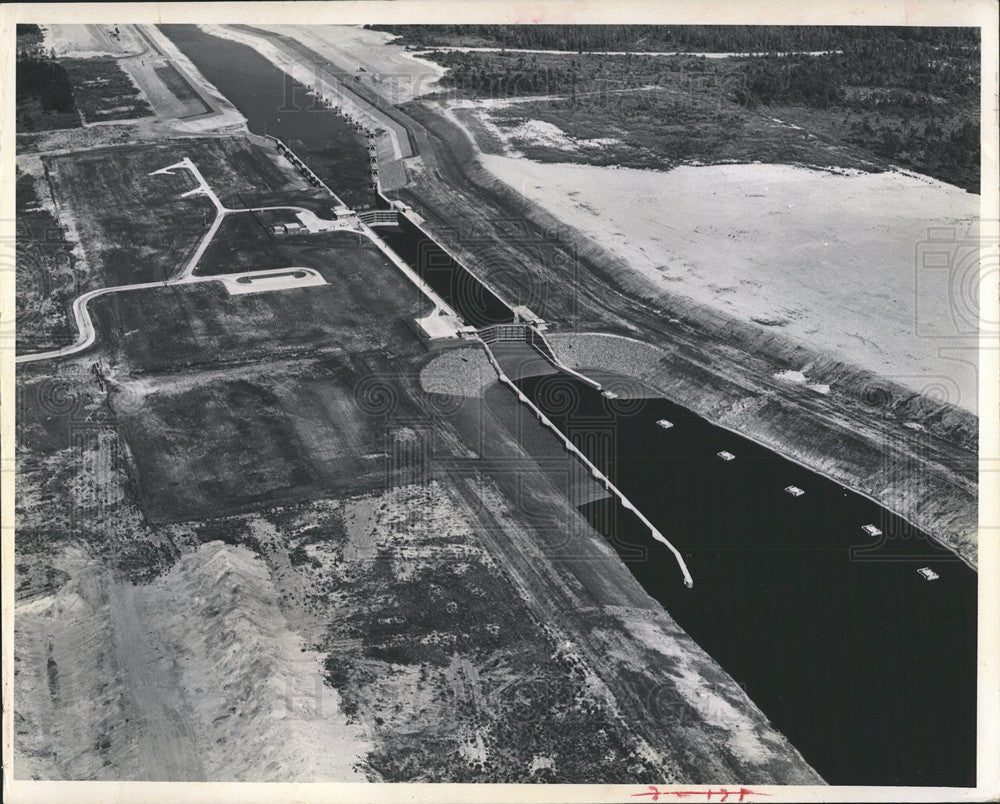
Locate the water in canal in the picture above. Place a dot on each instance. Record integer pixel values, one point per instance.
(865, 666)
(869, 669)
(274, 104)
(476, 303)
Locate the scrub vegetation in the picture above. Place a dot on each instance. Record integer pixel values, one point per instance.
(871, 98)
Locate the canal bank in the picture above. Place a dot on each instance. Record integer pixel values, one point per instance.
(767, 569)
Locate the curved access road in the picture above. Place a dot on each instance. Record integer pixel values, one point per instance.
(86, 334)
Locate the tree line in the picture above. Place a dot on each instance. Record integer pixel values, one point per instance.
(709, 38)
(943, 72)
(47, 82)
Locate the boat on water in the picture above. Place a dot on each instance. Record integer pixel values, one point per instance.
(928, 573)
(871, 530)
(726, 455)
(665, 424)
(795, 491)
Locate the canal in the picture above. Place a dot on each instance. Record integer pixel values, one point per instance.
(869, 669)
(469, 297)
(274, 104)
(866, 667)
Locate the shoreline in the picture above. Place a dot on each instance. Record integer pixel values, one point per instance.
(583, 369)
(864, 417)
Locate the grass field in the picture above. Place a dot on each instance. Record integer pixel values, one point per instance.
(245, 415)
(364, 307)
(278, 433)
(46, 275)
(244, 243)
(132, 227)
(136, 228)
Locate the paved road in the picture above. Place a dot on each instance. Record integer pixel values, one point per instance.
(86, 333)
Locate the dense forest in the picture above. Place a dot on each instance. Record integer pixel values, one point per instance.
(28, 37)
(934, 71)
(44, 97)
(904, 96)
(47, 81)
(44, 92)
(709, 38)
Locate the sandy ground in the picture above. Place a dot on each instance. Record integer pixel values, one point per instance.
(85, 41)
(851, 264)
(142, 69)
(390, 70)
(223, 117)
(536, 132)
(158, 677)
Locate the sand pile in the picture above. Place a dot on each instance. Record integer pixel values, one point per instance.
(195, 676)
(260, 707)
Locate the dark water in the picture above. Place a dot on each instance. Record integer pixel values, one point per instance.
(865, 666)
(468, 297)
(274, 104)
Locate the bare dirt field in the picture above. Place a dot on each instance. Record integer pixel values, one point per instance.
(762, 242)
(389, 70)
(85, 41)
